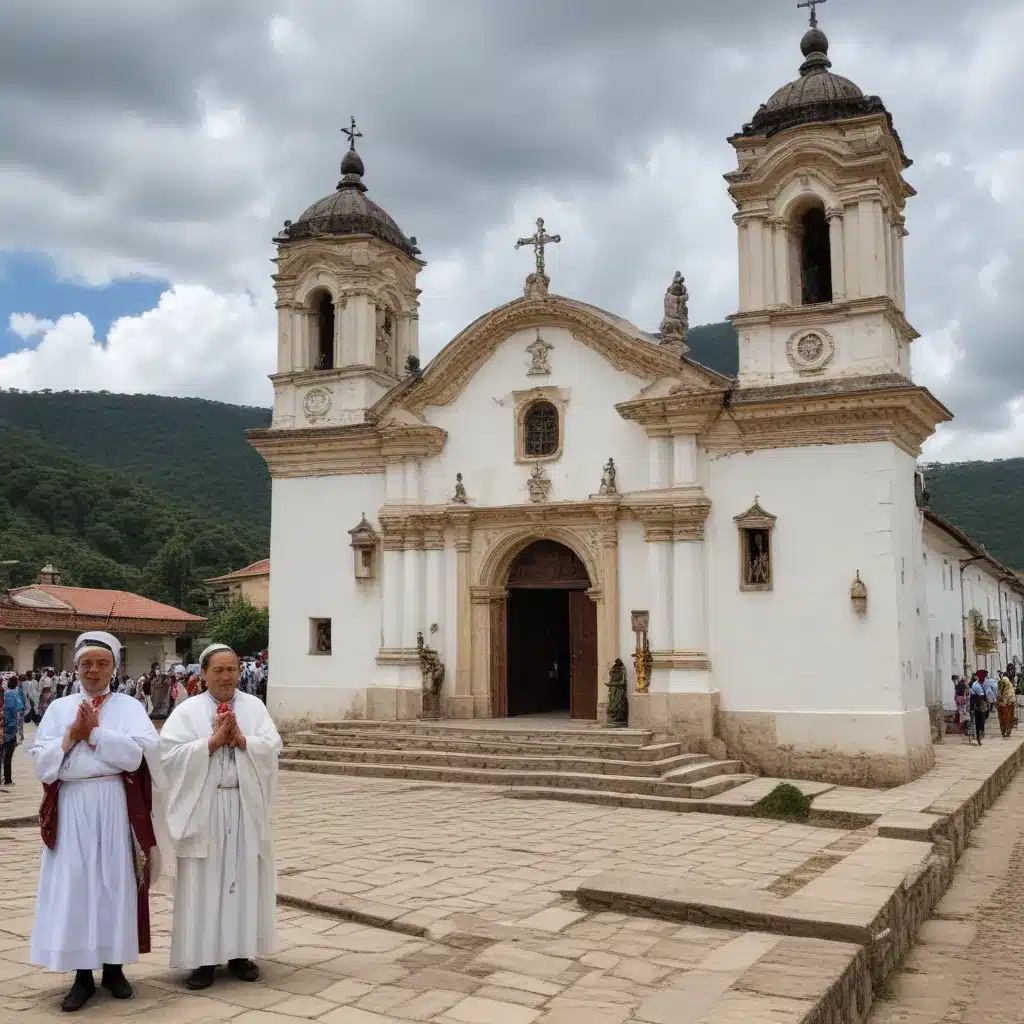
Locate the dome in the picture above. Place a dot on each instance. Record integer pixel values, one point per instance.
(347, 211)
(817, 96)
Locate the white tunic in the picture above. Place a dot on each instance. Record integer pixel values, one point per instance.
(86, 904)
(218, 813)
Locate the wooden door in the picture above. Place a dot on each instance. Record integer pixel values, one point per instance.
(499, 659)
(583, 648)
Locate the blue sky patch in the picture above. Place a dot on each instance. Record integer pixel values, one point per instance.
(28, 284)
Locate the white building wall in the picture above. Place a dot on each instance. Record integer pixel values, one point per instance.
(481, 426)
(314, 577)
(800, 652)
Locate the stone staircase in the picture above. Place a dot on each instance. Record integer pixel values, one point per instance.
(587, 763)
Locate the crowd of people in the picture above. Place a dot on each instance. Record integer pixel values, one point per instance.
(158, 691)
(125, 791)
(976, 699)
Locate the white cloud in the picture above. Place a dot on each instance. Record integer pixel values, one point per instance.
(28, 325)
(194, 342)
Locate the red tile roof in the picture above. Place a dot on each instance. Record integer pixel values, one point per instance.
(115, 604)
(260, 568)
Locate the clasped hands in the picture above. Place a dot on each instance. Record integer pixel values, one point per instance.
(226, 732)
(85, 721)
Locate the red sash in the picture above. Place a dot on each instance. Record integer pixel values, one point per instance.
(138, 791)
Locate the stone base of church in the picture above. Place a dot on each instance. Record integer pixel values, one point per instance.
(876, 750)
(690, 718)
(393, 704)
(937, 715)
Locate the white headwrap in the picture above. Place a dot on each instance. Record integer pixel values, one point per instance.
(97, 640)
(210, 651)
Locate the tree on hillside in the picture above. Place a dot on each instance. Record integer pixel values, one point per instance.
(170, 571)
(240, 625)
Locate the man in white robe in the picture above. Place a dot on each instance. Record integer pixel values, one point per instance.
(219, 751)
(99, 856)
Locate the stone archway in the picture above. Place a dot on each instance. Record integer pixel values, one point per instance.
(6, 660)
(489, 550)
(549, 663)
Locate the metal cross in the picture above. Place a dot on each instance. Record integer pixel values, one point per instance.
(353, 133)
(813, 6)
(538, 241)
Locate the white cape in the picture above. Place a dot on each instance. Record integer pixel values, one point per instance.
(225, 887)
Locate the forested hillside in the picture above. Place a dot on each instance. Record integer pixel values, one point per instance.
(986, 500)
(153, 494)
(189, 449)
(102, 529)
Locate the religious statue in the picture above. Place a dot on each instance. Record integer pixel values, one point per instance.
(618, 702)
(539, 349)
(608, 479)
(676, 324)
(323, 637)
(385, 339)
(538, 484)
(643, 661)
(432, 674)
(412, 366)
(758, 565)
(459, 497)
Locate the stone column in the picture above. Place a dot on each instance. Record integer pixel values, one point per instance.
(872, 253)
(608, 607)
(25, 651)
(413, 482)
(780, 263)
(836, 244)
(412, 589)
(659, 448)
(391, 591)
(768, 262)
(690, 625)
(899, 233)
(659, 581)
(851, 250)
(742, 226)
(433, 543)
(755, 251)
(462, 702)
(684, 460)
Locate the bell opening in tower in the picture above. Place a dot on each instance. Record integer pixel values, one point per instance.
(815, 257)
(324, 318)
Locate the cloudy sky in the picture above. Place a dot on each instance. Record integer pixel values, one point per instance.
(150, 149)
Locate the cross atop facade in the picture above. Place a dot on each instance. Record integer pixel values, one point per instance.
(538, 241)
(813, 4)
(353, 133)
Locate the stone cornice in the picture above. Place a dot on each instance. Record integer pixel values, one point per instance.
(337, 451)
(361, 372)
(680, 412)
(903, 415)
(825, 313)
(450, 372)
(676, 514)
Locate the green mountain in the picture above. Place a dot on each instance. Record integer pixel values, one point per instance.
(153, 494)
(191, 450)
(103, 529)
(984, 499)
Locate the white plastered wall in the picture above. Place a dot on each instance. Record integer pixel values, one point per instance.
(831, 678)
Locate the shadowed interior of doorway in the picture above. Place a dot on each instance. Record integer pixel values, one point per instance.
(551, 634)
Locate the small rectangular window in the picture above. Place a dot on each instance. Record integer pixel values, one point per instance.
(319, 636)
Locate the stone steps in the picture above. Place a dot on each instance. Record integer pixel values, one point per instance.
(602, 798)
(593, 734)
(726, 771)
(509, 743)
(565, 760)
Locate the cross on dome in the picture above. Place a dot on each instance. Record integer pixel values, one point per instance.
(813, 4)
(353, 133)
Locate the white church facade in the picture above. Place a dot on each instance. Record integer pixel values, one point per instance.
(559, 489)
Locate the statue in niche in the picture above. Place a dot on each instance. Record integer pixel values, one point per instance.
(618, 702)
(758, 564)
(676, 324)
(385, 338)
(459, 497)
(608, 479)
(432, 675)
(538, 484)
(539, 349)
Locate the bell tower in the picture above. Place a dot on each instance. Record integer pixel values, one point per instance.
(820, 197)
(347, 304)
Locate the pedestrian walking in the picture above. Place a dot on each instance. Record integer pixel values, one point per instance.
(14, 711)
(1006, 702)
(979, 709)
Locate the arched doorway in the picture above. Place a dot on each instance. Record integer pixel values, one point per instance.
(551, 631)
(45, 657)
(6, 661)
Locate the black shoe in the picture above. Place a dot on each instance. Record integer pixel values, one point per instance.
(243, 970)
(201, 977)
(81, 992)
(115, 982)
